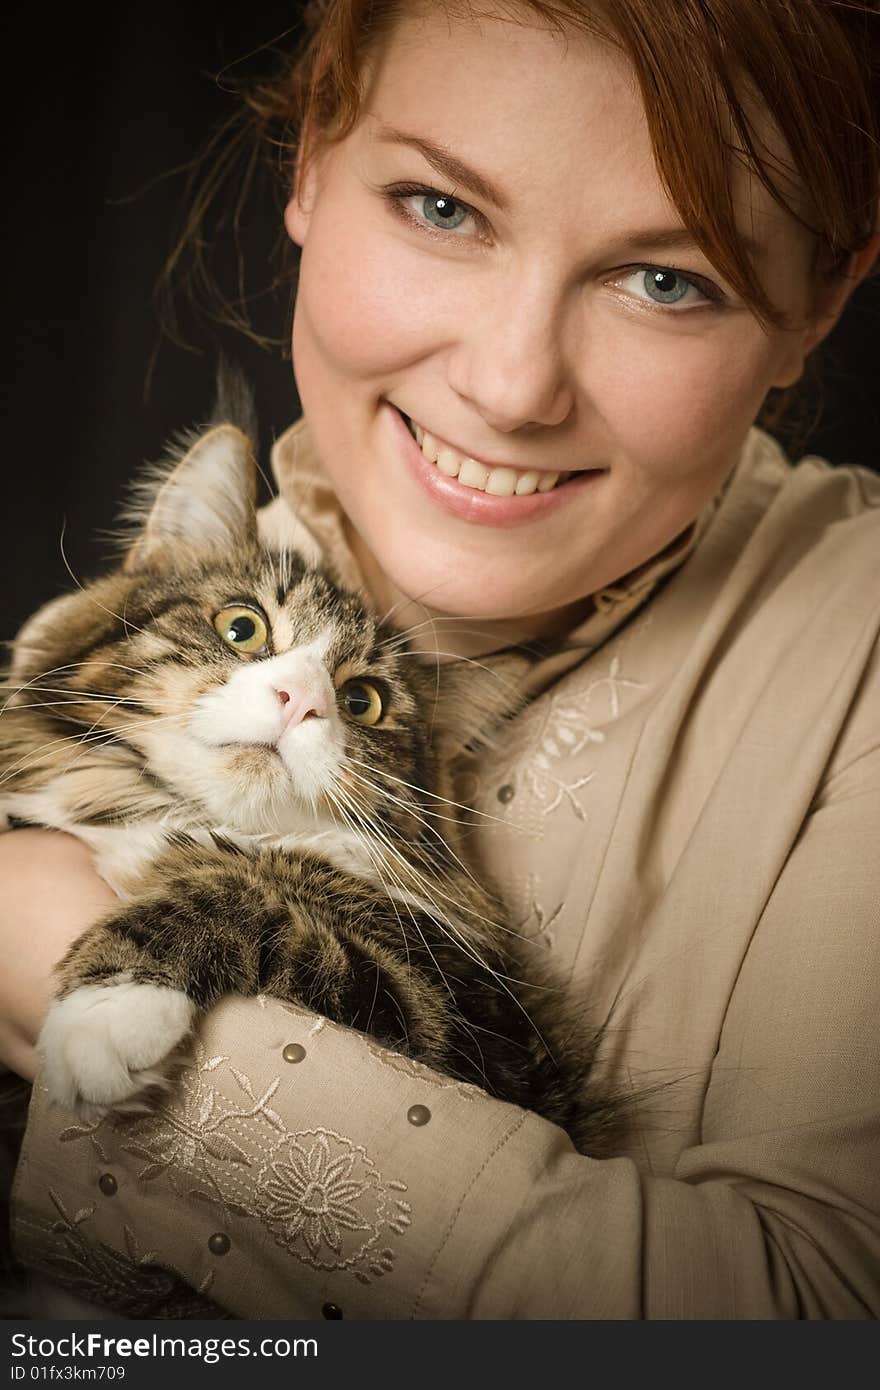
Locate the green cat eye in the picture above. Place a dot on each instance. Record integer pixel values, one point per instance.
(243, 628)
(362, 701)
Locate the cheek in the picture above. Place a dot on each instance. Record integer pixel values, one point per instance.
(676, 402)
(362, 300)
(172, 690)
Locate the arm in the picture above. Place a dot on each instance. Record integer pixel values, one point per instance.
(51, 894)
(324, 1185)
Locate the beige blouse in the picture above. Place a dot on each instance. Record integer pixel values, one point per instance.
(688, 821)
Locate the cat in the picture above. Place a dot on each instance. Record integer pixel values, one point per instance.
(262, 770)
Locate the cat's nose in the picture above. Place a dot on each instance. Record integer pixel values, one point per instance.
(299, 705)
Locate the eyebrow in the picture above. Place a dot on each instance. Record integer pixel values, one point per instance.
(447, 164)
(677, 239)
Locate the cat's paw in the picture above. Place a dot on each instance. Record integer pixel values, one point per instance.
(105, 1045)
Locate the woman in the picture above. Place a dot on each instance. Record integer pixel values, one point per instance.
(553, 260)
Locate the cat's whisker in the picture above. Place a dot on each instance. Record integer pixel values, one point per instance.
(377, 865)
(445, 874)
(459, 1020)
(417, 812)
(413, 808)
(117, 730)
(346, 799)
(351, 819)
(69, 666)
(423, 791)
(135, 705)
(468, 661)
(93, 738)
(417, 601)
(70, 690)
(450, 624)
(430, 888)
(448, 929)
(23, 765)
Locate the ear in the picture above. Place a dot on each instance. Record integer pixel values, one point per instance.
(830, 303)
(206, 504)
(297, 213)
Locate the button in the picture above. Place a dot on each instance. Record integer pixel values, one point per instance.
(293, 1052)
(108, 1184)
(418, 1115)
(219, 1243)
(506, 793)
(331, 1311)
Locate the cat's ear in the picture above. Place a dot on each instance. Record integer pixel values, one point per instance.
(205, 505)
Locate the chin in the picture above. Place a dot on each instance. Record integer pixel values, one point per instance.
(249, 789)
(463, 590)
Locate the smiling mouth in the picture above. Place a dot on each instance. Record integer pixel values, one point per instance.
(496, 481)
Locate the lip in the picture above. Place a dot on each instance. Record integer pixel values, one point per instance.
(480, 507)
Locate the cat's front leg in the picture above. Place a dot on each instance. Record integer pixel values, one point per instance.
(132, 985)
(120, 1015)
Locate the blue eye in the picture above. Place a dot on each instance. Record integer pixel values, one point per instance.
(665, 286)
(442, 211)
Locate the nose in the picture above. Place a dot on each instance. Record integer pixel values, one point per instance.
(299, 704)
(509, 363)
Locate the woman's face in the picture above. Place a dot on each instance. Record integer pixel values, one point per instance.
(490, 258)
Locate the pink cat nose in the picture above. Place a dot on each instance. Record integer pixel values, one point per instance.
(300, 705)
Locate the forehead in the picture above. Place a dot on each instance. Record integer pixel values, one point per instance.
(484, 82)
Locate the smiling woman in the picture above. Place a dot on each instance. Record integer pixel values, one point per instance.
(530, 323)
(553, 261)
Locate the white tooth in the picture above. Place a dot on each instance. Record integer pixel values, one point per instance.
(430, 447)
(448, 463)
(419, 433)
(547, 482)
(527, 483)
(502, 482)
(473, 474)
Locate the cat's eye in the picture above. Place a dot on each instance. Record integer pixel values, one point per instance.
(362, 702)
(243, 628)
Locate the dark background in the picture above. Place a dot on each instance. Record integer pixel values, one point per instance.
(105, 106)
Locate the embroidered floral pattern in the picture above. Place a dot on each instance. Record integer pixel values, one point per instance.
(543, 754)
(135, 1284)
(220, 1141)
(550, 756)
(201, 1130)
(310, 1195)
(324, 1200)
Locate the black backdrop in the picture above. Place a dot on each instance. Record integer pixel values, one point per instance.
(105, 104)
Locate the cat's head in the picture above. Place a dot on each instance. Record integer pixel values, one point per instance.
(241, 679)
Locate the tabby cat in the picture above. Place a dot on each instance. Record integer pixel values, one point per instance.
(262, 770)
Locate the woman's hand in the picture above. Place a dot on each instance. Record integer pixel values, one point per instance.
(51, 894)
